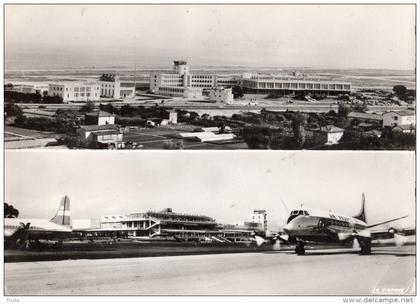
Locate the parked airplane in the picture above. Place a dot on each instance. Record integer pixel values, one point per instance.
(304, 227)
(19, 231)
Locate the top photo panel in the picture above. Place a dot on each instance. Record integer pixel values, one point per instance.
(210, 77)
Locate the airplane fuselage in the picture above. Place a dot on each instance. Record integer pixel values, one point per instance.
(40, 228)
(322, 228)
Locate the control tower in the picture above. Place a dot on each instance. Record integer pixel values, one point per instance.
(181, 67)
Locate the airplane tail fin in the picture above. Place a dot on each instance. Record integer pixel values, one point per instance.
(63, 216)
(362, 214)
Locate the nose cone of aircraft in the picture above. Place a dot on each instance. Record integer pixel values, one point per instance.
(292, 227)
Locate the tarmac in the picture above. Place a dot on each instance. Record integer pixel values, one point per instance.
(388, 271)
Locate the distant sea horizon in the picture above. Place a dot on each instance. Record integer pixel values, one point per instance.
(55, 61)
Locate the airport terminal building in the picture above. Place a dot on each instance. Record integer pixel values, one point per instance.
(169, 225)
(180, 80)
(285, 84)
(75, 91)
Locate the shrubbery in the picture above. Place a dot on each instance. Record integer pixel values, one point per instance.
(19, 97)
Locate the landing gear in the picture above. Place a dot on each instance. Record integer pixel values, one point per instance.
(300, 249)
(365, 247)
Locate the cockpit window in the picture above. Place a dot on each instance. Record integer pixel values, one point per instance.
(299, 212)
(296, 213)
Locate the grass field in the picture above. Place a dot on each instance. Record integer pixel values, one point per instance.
(13, 131)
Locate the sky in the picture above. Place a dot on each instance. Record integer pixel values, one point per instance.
(227, 186)
(319, 36)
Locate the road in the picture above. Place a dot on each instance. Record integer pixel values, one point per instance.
(326, 272)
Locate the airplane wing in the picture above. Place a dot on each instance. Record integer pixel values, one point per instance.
(371, 226)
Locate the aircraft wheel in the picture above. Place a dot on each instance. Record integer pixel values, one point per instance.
(365, 249)
(300, 249)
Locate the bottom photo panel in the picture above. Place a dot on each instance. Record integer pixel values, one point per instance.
(209, 223)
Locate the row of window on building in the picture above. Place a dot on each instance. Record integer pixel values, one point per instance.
(296, 85)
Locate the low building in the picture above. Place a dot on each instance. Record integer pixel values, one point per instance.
(208, 136)
(185, 92)
(103, 136)
(328, 135)
(400, 119)
(173, 117)
(215, 130)
(293, 84)
(75, 91)
(257, 220)
(99, 118)
(111, 87)
(221, 95)
(107, 139)
(41, 89)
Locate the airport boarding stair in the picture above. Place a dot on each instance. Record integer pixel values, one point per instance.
(217, 239)
(224, 239)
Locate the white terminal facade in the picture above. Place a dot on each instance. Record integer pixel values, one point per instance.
(167, 224)
(75, 91)
(293, 84)
(108, 86)
(181, 82)
(111, 87)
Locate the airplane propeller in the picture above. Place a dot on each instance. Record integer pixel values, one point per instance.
(400, 240)
(356, 244)
(259, 240)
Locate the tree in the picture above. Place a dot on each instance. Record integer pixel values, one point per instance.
(109, 108)
(127, 110)
(237, 92)
(222, 127)
(298, 129)
(12, 110)
(359, 107)
(400, 90)
(343, 111)
(72, 141)
(351, 139)
(52, 99)
(13, 96)
(88, 107)
(194, 116)
(35, 123)
(172, 145)
(10, 211)
(257, 137)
